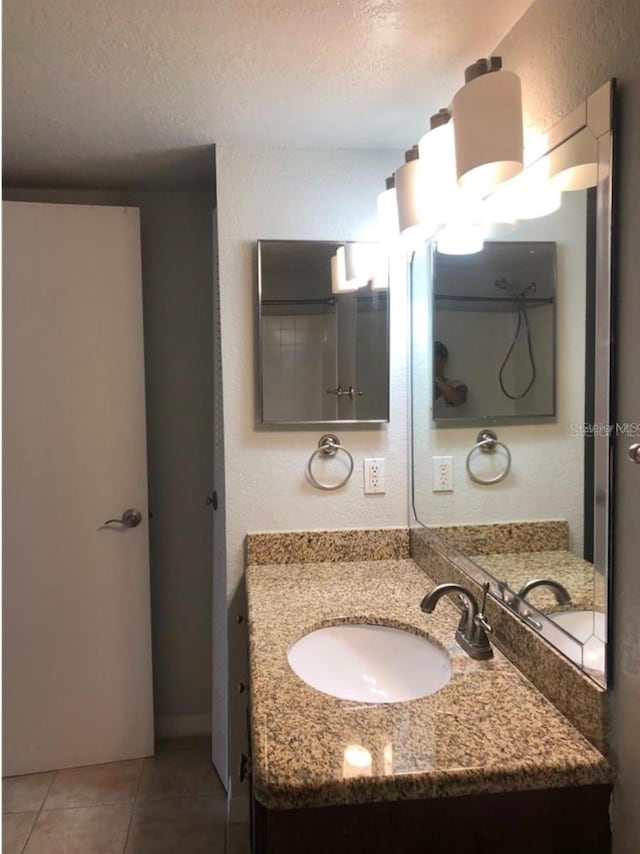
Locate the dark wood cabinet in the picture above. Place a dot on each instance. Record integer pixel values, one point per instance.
(549, 821)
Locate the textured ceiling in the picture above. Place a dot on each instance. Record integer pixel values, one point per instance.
(115, 92)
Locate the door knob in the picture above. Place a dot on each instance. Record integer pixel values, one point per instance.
(130, 518)
(634, 453)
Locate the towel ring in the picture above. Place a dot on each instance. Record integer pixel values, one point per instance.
(487, 442)
(328, 446)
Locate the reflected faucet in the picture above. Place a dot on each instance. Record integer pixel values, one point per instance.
(472, 630)
(515, 602)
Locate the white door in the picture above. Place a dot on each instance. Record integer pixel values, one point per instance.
(77, 684)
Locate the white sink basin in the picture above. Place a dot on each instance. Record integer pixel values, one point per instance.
(589, 651)
(370, 664)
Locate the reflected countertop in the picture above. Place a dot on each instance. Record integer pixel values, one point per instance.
(518, 568)
(488, 730)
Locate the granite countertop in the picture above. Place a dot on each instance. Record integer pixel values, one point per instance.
(488, 730)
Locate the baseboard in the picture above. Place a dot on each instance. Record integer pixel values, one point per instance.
(175, 726)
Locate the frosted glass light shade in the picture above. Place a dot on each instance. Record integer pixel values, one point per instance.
(487, 123)
(359, 260)
(355, 265)
(388, 215)
(574, 164)
(374, 265)
(410, 197)
(438, 172)
(407, 195)
(339, 283)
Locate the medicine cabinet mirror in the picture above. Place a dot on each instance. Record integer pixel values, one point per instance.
(548, 518)
(323, 355)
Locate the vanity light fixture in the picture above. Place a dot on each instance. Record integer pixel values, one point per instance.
(410, 199)
(339, 283)
(388, 212)
(438, 167)
(487, 126)
(380, 272)
(574, 164)
(355, 265)
(367, 263)
(470, 151)
(359, 262)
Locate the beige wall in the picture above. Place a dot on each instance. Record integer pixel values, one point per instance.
(293, 194)
(563, 50)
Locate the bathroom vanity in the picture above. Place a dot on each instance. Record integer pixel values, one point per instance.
(485, 763)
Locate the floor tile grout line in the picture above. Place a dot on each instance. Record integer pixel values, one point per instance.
(120, 801)
(39, 812)
(90, 806)
(133, 805)
(191, 796)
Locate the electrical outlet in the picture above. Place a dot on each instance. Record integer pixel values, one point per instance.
(374, 475)
(442, 474)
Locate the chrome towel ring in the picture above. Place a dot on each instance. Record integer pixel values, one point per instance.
(486, 443)
(328, 446)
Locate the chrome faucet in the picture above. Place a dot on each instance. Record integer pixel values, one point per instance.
(472, 630)
(515, 602)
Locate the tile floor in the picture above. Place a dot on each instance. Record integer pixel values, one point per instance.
(172, 803)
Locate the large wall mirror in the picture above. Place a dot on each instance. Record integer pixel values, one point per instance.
(522, 332)
(323, 349)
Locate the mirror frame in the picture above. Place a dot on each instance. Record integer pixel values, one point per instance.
(298, 425)
(596, 114)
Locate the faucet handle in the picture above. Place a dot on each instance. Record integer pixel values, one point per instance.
(482, 622)
(485, 590)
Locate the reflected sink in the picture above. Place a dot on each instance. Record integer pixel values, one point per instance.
(370, 664)
(581, 625)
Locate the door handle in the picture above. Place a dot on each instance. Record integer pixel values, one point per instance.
(130, 518)
(634, 453)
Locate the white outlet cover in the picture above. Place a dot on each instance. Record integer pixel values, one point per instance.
(373, 471)
(442, 474)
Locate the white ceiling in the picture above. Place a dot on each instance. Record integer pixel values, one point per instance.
(115, 92)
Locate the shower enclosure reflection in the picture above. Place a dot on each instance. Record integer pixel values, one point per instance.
(494, 332)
